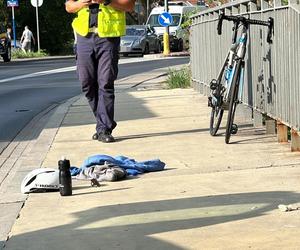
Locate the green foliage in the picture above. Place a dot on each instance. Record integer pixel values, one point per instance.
(187, 19)
(179, 78)
(18, 53)
(56, 35)
(285, 2)
(4, 12)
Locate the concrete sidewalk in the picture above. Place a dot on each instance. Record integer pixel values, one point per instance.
(211, 195)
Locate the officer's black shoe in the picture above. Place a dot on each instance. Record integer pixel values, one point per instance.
(95, 136)
(106, 137)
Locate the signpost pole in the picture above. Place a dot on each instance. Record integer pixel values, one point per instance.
(147, 14)
(14, 25)
(37, 25)
(166, 34)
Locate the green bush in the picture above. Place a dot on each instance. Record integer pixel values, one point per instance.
(179, 78)
(18, 53)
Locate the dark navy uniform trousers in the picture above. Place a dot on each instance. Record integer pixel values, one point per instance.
(97, 68)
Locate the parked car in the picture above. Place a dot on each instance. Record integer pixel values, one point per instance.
(139, 39)
(5, 44)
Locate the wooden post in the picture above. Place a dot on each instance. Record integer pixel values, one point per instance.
(282, 132)
(295, 145)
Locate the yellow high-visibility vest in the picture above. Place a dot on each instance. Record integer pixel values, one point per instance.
(111, 22)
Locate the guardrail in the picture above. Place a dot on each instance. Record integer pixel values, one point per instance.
(272, 77)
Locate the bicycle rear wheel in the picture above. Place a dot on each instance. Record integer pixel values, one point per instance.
(234, 88)
(217, 109)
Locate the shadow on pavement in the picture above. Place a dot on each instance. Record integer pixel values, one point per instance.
(190, 131)
(37, 94)
(134, 225)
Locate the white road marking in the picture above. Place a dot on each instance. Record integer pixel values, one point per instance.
(41, 73)
(73, 68)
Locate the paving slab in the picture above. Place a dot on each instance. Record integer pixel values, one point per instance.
(211, 195)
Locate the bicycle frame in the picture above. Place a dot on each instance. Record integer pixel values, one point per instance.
(237, 51)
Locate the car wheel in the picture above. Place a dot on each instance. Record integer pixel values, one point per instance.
(158, 48)
(180, 46)
(7, 55)
(146, 50)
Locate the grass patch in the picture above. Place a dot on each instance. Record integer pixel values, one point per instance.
(179, 78)
(18, 53)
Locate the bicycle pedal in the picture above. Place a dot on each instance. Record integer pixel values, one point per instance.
(234, 129)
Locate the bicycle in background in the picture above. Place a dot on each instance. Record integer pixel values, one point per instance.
(226, 90)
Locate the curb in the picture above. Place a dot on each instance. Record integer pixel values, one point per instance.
(47, 58)
(173, 54)
(37, 150)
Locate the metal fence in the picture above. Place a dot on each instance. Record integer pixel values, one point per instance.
(272, 72)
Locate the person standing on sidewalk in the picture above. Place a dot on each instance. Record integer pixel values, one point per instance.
(99, 25)
(26, 39)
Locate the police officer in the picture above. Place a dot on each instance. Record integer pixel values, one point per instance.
(99, 25)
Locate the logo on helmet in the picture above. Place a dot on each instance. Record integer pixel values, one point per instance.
(46, 186)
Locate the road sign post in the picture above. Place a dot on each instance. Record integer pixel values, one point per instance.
(13, 4)
(37, 4)
(165, 19)
(166, 34)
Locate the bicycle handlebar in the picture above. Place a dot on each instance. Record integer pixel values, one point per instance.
(246, 21)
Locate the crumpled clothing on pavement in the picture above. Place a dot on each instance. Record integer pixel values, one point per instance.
(131, 166)
(106, 172)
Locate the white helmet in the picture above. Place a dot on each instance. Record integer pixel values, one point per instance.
(39, 180)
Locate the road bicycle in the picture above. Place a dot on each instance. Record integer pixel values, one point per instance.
(226, 90)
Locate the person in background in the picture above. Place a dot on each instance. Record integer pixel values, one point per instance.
(98, 26)
(8, 32)
(26, 39)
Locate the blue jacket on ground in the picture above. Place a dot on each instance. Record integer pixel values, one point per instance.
(131, 166)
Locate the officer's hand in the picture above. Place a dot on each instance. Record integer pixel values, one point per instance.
(85, 2)
(98, 1)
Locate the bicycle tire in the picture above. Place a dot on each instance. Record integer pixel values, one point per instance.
(217, 112)
(233, 101)
(216, 116)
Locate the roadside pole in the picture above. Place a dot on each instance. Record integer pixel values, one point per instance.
(148, 6)
(13, 4)
(37, 4)
(37, 25)
(14, 26)
(166, 34)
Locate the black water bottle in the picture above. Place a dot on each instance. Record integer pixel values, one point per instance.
(65, 180)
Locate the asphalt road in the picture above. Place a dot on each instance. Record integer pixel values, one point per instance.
(29, 87)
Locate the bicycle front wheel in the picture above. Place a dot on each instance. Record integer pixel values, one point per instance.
(234, 88)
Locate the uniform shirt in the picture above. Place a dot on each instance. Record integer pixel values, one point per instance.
(94, 9)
